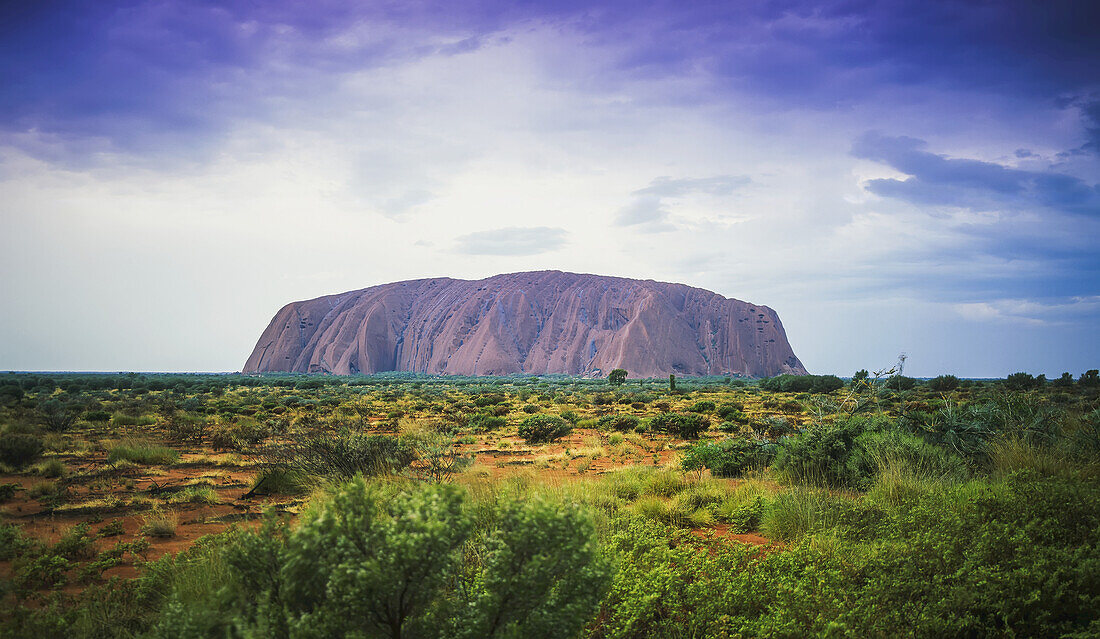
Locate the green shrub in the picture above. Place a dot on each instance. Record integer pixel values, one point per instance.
(539, 429)
(668, 585)
(1020, 381)
(733, 412)
(826, 383)
(58, 415)
(485, 422)
(488, 400)
(13, 543)
(802, 383)
(944, 383)
(684, 425)
(728, 458)
(18, 450)
(530, 409)
(341, 457)
(52, 468)
(876, 451)
(704, 406)
(621, 423)
(819, 455)
(900, 382)
(375, 561)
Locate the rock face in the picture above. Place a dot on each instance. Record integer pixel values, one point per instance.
(537, 323)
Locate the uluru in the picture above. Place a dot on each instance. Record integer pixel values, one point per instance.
(542, 322)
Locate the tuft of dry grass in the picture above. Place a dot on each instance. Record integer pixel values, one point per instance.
(160, 523)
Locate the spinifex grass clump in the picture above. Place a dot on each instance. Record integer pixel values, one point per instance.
(139, 452)
(340, 456)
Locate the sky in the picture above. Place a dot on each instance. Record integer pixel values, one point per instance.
(891, 177)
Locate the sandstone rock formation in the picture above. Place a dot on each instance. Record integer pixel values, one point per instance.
(536, 323)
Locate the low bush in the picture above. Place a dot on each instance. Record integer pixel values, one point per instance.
(540, 429)
(18, 450)
(485, 422)
(704, 406)
(728, 409)
(819, 455)
(373, 561)
(943, 383)
(322, 455)
(621, 423)
(684, 425)
(876, 451)
(728, 458)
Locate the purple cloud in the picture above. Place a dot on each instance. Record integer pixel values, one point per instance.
(936, 180)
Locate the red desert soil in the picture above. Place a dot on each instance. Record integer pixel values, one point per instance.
(585, 454)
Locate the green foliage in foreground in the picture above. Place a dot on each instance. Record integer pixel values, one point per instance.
(1016, 559)
(383, 560)
(911, 557)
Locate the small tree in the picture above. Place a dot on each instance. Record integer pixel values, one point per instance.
(370, 562)
(1019, 381)
(671, 382)
(57, 415)
(944, 383)
(617, 376)
(1065, 381)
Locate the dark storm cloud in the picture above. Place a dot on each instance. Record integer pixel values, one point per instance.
(169, 78)
(936, 180)
(825, 53)
(1090, 112)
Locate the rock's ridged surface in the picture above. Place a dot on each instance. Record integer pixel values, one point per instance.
(540, 322)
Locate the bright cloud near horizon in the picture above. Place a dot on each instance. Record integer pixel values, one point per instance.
(890, 177)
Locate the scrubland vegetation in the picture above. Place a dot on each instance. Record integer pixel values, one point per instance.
(414, 506)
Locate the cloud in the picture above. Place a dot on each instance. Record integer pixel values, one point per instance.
(670, 187)
(642, 210)
(1031, 312)
(1090, 112)
(396, 207)
(936, 180)
(512, 240)
(649, 210)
